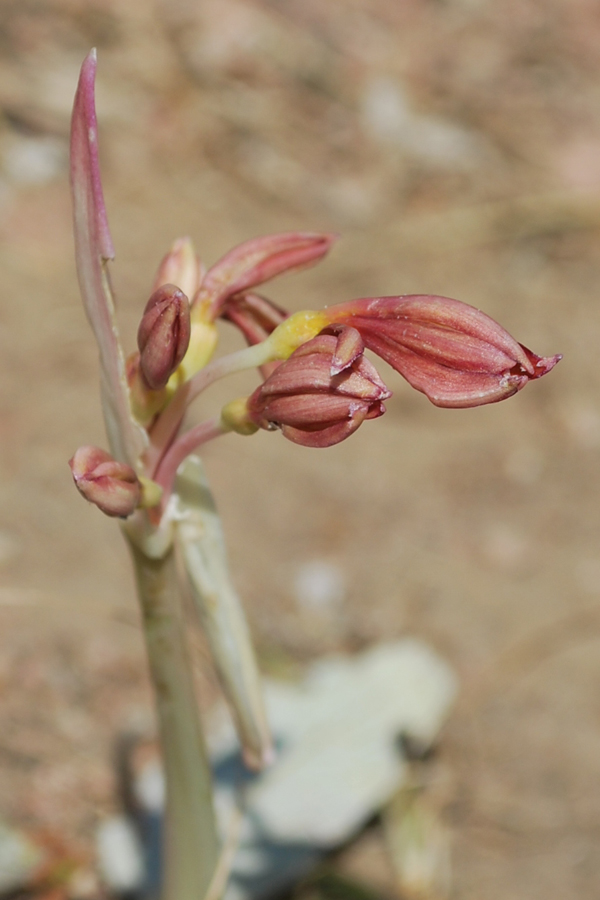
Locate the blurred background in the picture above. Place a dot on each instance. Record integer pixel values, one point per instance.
(455, 145)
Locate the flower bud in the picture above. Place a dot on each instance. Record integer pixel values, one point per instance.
(180, 266)
(255, 316)
(455, 354)
(163, 335)
(310, 405)
(258, 260)
(111, 485)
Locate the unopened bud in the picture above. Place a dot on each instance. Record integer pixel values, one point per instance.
(259, 260)
(310, 405)
(255, 316)
(235, 417)
(111, 485)
(163, 335)
(180, 266)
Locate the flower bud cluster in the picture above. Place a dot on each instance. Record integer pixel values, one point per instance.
(322, 393)
(317, 388)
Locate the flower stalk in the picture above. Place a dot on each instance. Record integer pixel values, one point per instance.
(191, 850)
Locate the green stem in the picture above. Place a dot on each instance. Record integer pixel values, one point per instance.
(191, 847)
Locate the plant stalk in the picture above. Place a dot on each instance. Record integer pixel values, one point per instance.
(191, 845)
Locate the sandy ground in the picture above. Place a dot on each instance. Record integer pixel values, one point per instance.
(456, 148)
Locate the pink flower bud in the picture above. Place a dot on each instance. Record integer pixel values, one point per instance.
(180, 266)
(163, 335)
(259, 260)
(255, 316)
(455, 354)
(310, 405)
(112, 486)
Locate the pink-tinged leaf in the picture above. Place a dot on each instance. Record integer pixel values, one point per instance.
(259, 260)
(93, 249)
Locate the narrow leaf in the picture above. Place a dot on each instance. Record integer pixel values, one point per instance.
(93, 250)
(199, 537)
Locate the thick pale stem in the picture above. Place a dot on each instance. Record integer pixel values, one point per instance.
(191, 849)
(169, 421)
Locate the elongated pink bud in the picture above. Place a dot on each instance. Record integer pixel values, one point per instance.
(163, 335)
(258, 260)
(112, 486)
(310, 405)
(257, 318)
(180, 266)
(455, 354)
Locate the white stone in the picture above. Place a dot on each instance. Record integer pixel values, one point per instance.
(120, 856)
(19, 858)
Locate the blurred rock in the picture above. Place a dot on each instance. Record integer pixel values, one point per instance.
(320, 585)
(418, 845)
(387, 117)
(340, 760)
(20, 858)
(33, 160)
(120, 855)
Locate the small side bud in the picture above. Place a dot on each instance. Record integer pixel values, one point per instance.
(111, 485)
(235, 417)
(180, 266)
(163, 335)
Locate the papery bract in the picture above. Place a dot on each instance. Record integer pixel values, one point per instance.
(455, 354)
(111, 485)
(310, 405)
